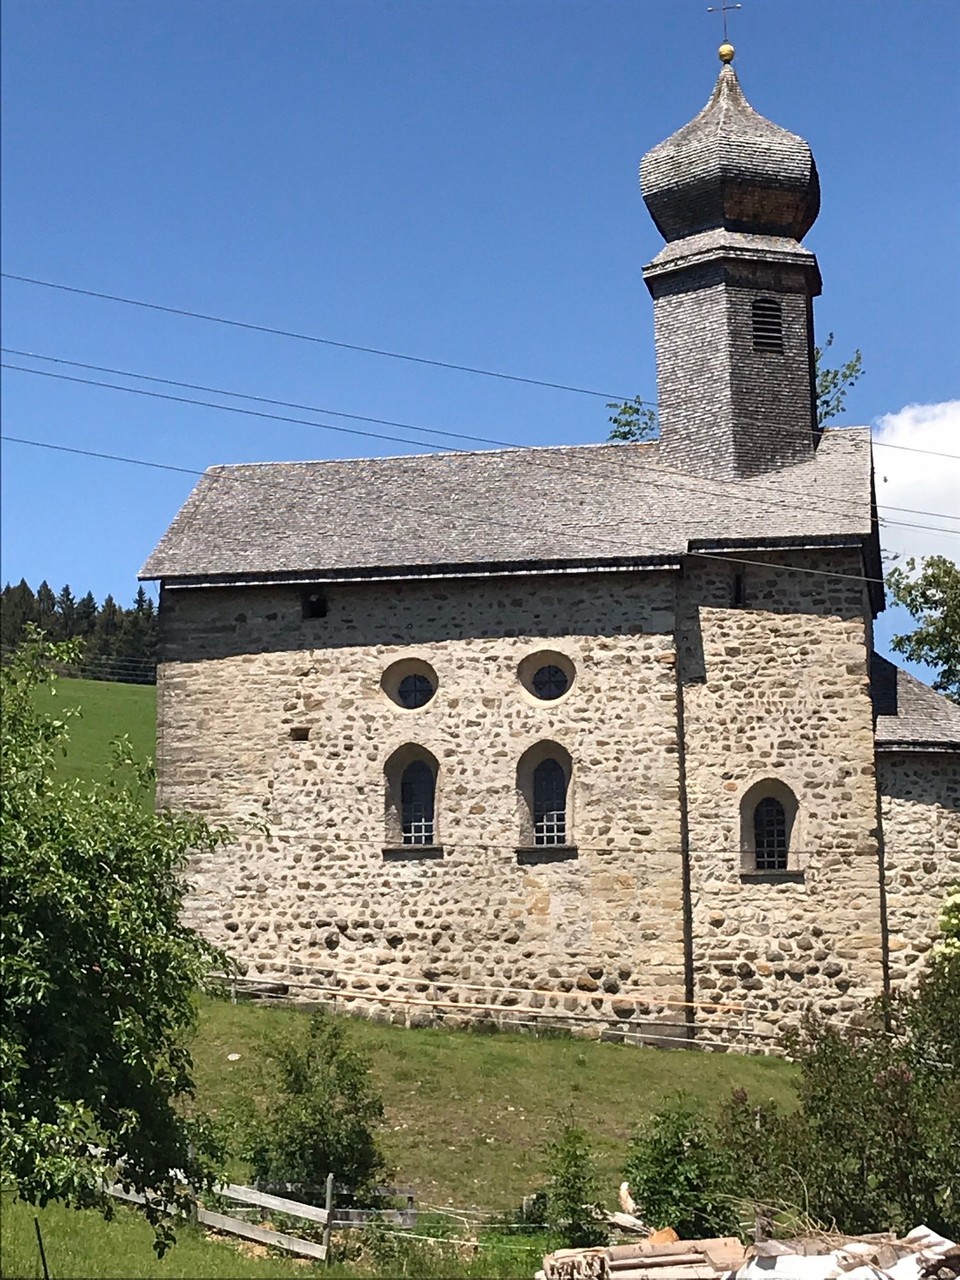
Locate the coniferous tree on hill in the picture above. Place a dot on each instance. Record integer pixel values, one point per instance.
(19, 606)
(46, 608)
(118, 644)
(65, 628)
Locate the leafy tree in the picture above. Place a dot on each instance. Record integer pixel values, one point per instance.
(632, 420)
(930, 592)
(833, 384)
(636, 419)
(681, 1175)
(98, 971)
(572, 1190)
(321, 1113)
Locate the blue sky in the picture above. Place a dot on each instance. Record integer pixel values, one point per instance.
(448, 178)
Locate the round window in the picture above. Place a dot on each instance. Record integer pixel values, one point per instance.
(550, 682)
(411, 683)
(415, 691)
(546, 676)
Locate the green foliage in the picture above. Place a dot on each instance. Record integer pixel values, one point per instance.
(931, 594)
(950, 923)
(317, 1111)
(833, 384)
(633, 420)
(874, 1144)
(98, 971)
(876, 1140)
(573, 1196)
(681, 1174)
(636, 419)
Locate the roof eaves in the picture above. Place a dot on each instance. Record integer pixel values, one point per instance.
(491, 569)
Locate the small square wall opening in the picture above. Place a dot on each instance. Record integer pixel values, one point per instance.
(314, 604)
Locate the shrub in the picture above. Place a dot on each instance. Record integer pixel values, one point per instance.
(877, 1137)
(572, 1191)
(681, 1174)
(321, 1115)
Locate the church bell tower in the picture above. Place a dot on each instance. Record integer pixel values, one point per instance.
(733, 195)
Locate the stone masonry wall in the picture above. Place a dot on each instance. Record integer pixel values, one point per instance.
(243, 678)
(265, 714)
(777, 691)
(920, 798)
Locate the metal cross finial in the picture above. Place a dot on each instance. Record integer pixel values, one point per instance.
(724, 9)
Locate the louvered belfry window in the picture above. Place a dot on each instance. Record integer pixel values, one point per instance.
(549, 803)
(417, 790)
(770, 835)
(767, 325)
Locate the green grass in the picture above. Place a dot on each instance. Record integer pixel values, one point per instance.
(108, 711)
(468, 1114)
(80, 1244)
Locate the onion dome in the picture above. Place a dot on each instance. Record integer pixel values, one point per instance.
(731, 168)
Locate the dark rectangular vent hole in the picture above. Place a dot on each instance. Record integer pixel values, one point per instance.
(314, 604)
(767, 325)
(299, 734)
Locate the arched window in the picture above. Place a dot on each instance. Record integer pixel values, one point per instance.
(549, 803)
(767, 325)
(769, 828)
(770, 835)
(410, 798)
(417, 791)
(545, 800)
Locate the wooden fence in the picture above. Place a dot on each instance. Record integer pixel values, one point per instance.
(261, 1200)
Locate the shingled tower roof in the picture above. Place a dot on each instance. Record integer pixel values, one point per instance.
(731, 168)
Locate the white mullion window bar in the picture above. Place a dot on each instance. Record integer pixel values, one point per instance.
(417, 791)
(549, 803)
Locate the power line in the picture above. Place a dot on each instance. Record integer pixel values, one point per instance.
(310, 337)
(386, 422)
(672, 480)
(291, 488)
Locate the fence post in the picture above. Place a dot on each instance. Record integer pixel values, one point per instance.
(328, 1226)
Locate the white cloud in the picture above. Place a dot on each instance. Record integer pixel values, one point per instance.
(919, 481)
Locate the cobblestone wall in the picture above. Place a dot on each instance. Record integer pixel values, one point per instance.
(265, 714)
(778, 693)
(920, 797)
(244, 678)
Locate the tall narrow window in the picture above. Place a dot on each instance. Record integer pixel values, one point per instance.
(417, 791)
(770, 835)
(549, 803)
(767, 325)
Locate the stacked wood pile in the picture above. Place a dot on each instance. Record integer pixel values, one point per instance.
(648, 1260)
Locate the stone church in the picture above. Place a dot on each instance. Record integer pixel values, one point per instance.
(589, 735)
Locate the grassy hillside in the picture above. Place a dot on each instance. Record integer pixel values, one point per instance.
(468, 1113)
(108, 711)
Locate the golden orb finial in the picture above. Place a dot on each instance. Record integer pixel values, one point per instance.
(726, 52)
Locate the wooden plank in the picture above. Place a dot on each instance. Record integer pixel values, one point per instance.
(656, 1265)
(249, 1195)
(279, 1239)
